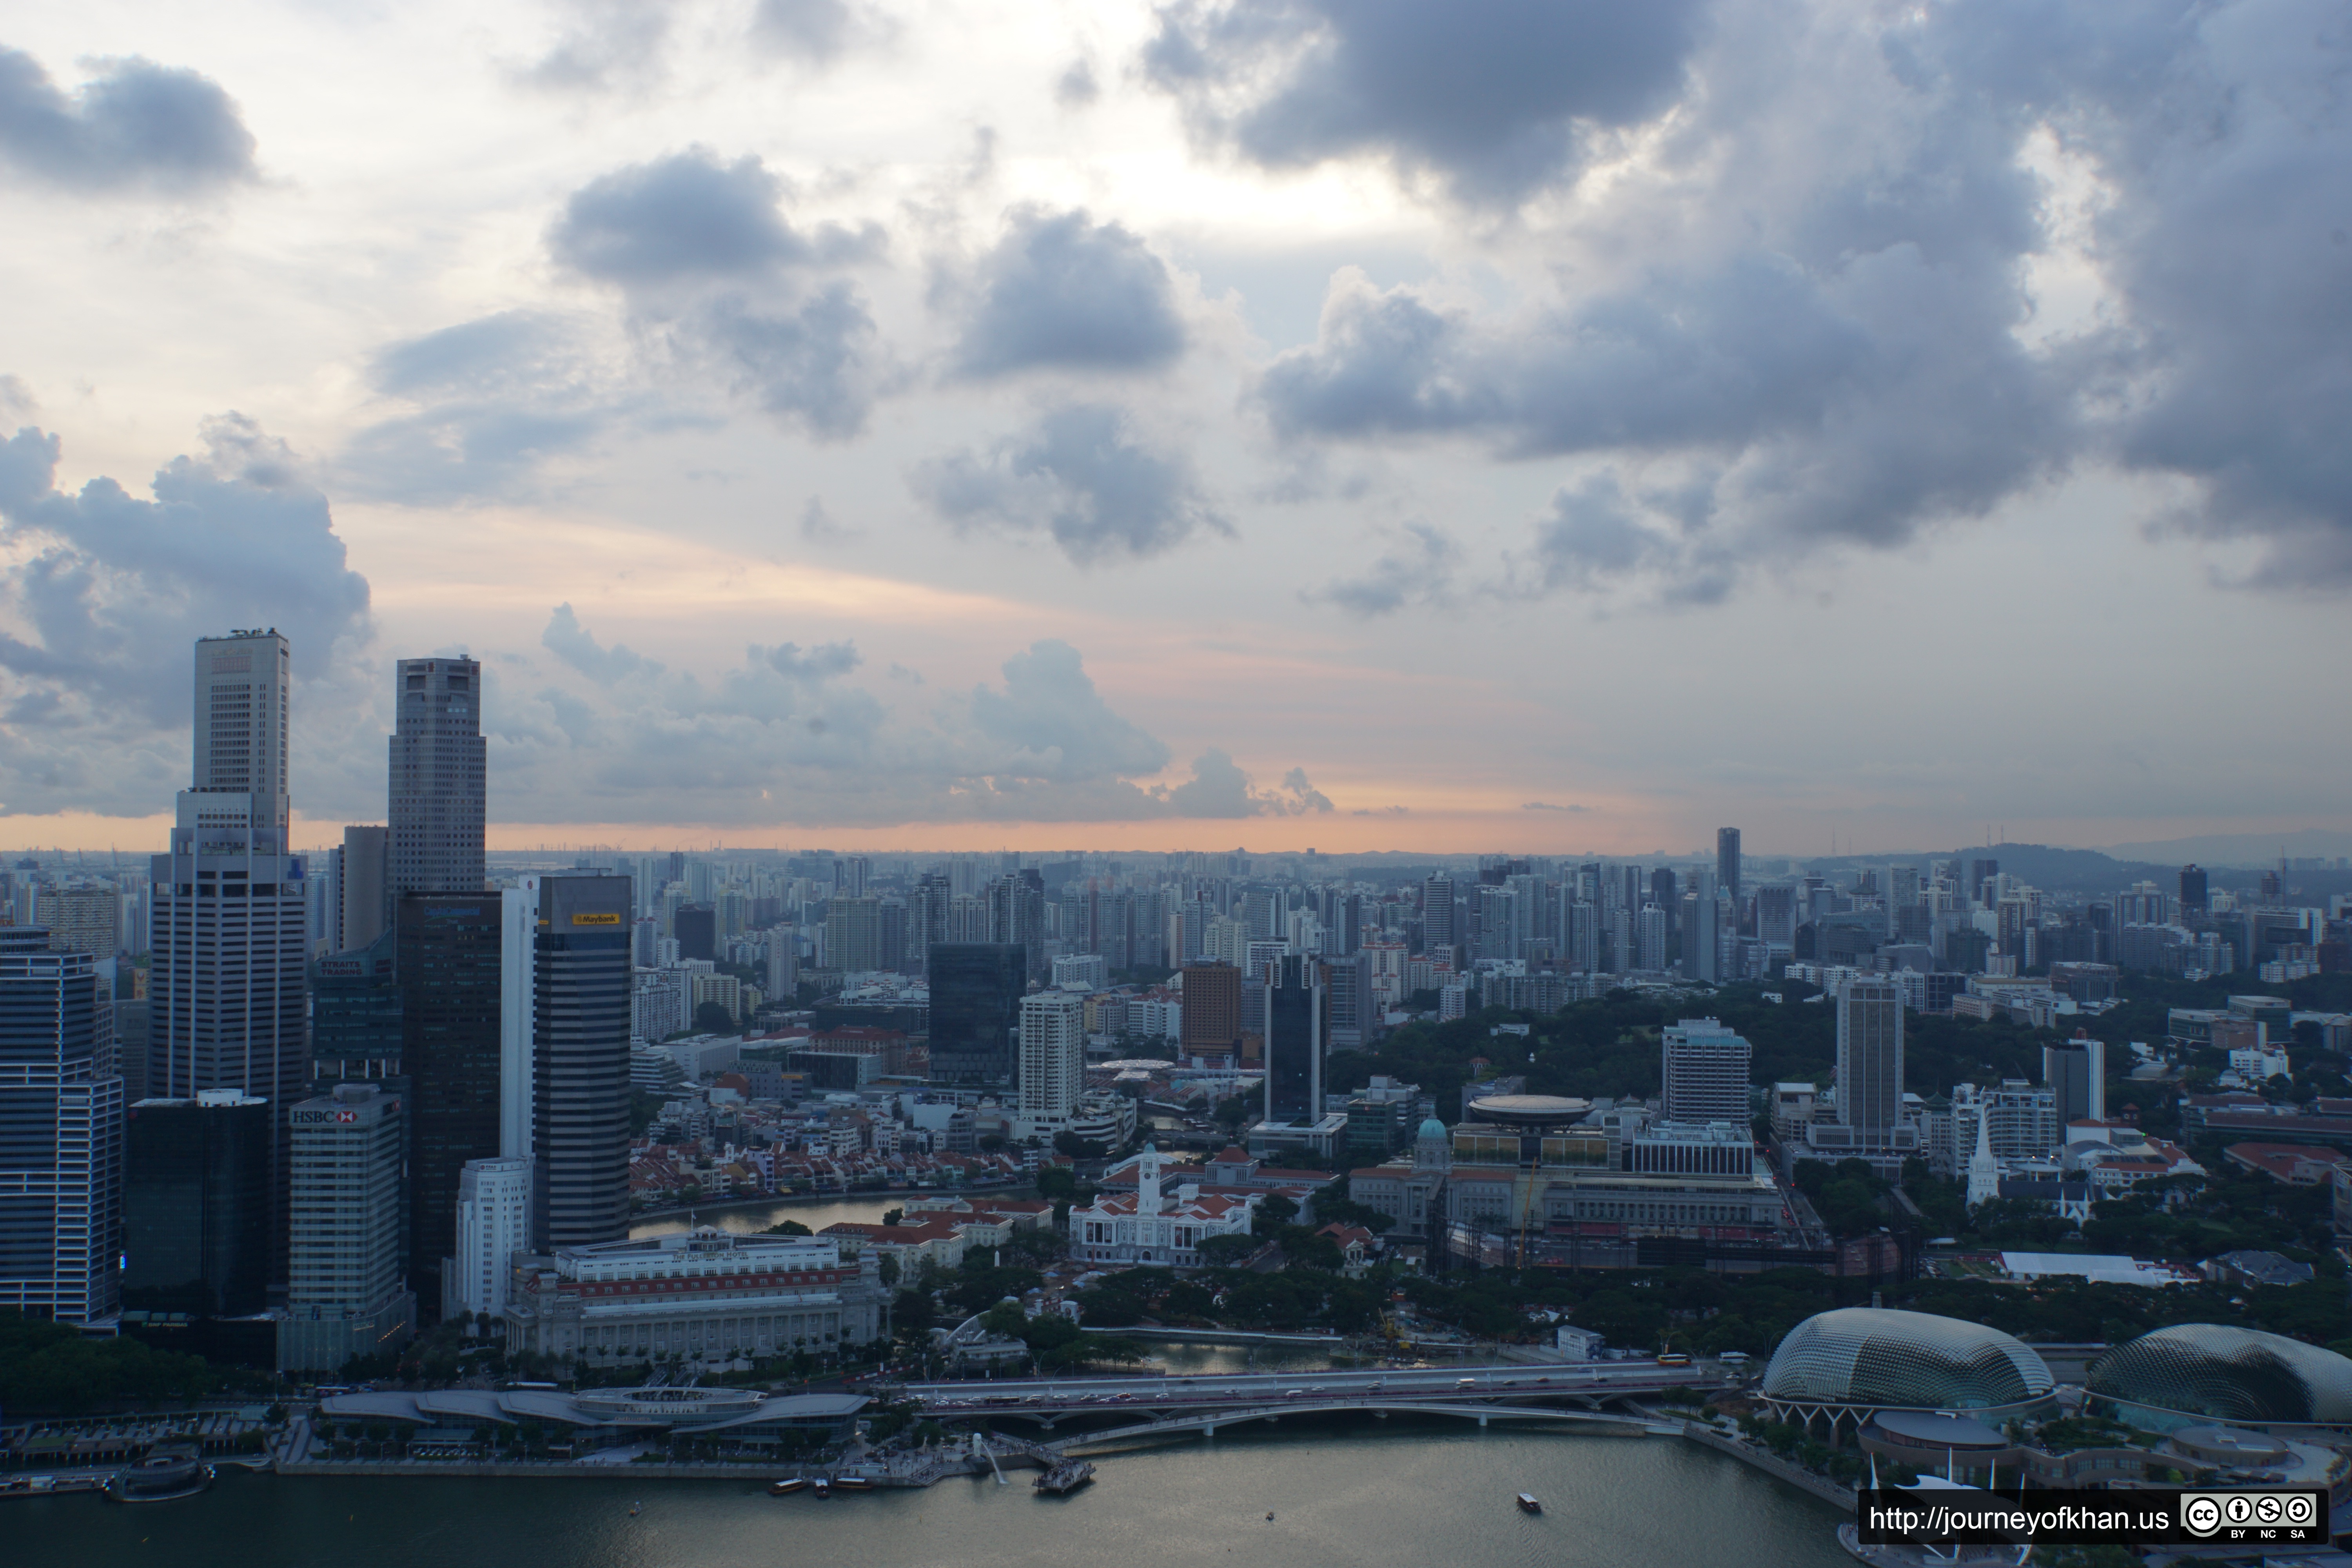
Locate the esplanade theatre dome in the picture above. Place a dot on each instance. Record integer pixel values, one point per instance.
(2219, 1373)
(1884, 1359)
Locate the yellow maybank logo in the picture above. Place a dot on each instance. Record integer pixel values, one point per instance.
(595, 920)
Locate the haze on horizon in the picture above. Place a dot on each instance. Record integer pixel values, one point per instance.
(1552, 427)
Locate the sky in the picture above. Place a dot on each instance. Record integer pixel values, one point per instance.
(1536, 426)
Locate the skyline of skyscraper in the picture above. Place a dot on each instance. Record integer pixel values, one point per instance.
(580, 1058)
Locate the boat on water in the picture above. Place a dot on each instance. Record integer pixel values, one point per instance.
(854, 1483)
(1528, 1503)
(636, 1508)
(822, 1487)
(788, 1486)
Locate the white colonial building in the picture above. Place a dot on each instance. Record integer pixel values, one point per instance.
(1149, 1226)
(708, 1295)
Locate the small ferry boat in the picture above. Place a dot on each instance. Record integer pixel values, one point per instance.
(788, 1486)
(636, 1508)
(1528, 1503)
(854, 1483)
(823, 1488)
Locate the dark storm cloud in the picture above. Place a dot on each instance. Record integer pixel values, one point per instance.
(2224, 135)
(1062, 291)
(1492, 96)
(1082, 474)
(135, 125)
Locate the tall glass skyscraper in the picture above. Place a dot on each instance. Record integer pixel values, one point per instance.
(450, 989)
(61, 1135)
(976, 991)
(227, 981)
(1295, 1024)
(580, 1058)
(437, 797)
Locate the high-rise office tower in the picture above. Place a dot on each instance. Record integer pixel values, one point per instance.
(60, 1133)
(1582, 925)
(2194, 897)
(1348, 981)
(1052, 1054)
(196, 1204)
(1727, 862)
(1704, 1070)
(1212, 1020)
(1703, 936)
(849, 875)
(1982, 871)
(2077, 1074)
(580, 1058)
(227, 981)
(365, 871)
(493, 1225)
(452, 970)
(1016, 917)
(438, 778)
(1437, 915)
(1663, 891)
(976, 991)
(355, 1029)
(695, 927)
(1297, 1026)
(345, 1296)
(1869, 1056)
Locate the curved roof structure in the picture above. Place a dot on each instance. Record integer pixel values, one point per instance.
(2228, 1374)
(1432, 1127)
(1881, 1357)
(1530, 1109)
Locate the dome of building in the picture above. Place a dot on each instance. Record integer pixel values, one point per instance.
(1877, 1356)
(2227, 1374)
(1431, 1127)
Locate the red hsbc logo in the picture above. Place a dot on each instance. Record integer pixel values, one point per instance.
(347, 1116)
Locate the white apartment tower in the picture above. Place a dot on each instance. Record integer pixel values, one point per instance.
(1053, 1072)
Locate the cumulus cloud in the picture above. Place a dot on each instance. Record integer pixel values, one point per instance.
(135, 125)
(816, 32)
(105, 591)
(1059, 724)
(476, 409)
(1062, 291)
(719, 283)
(604, 44)
(819, 663)
(1836, 330)
(1419, 570)
(1492, 97)
(1082, 474)
(688, 217)
(791, 735)
(572, 643)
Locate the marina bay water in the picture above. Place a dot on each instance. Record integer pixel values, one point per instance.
(1343, 1493)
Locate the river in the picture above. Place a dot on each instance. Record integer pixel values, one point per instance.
(1343, 1492)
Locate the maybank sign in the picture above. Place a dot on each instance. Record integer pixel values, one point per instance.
(605, 918)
